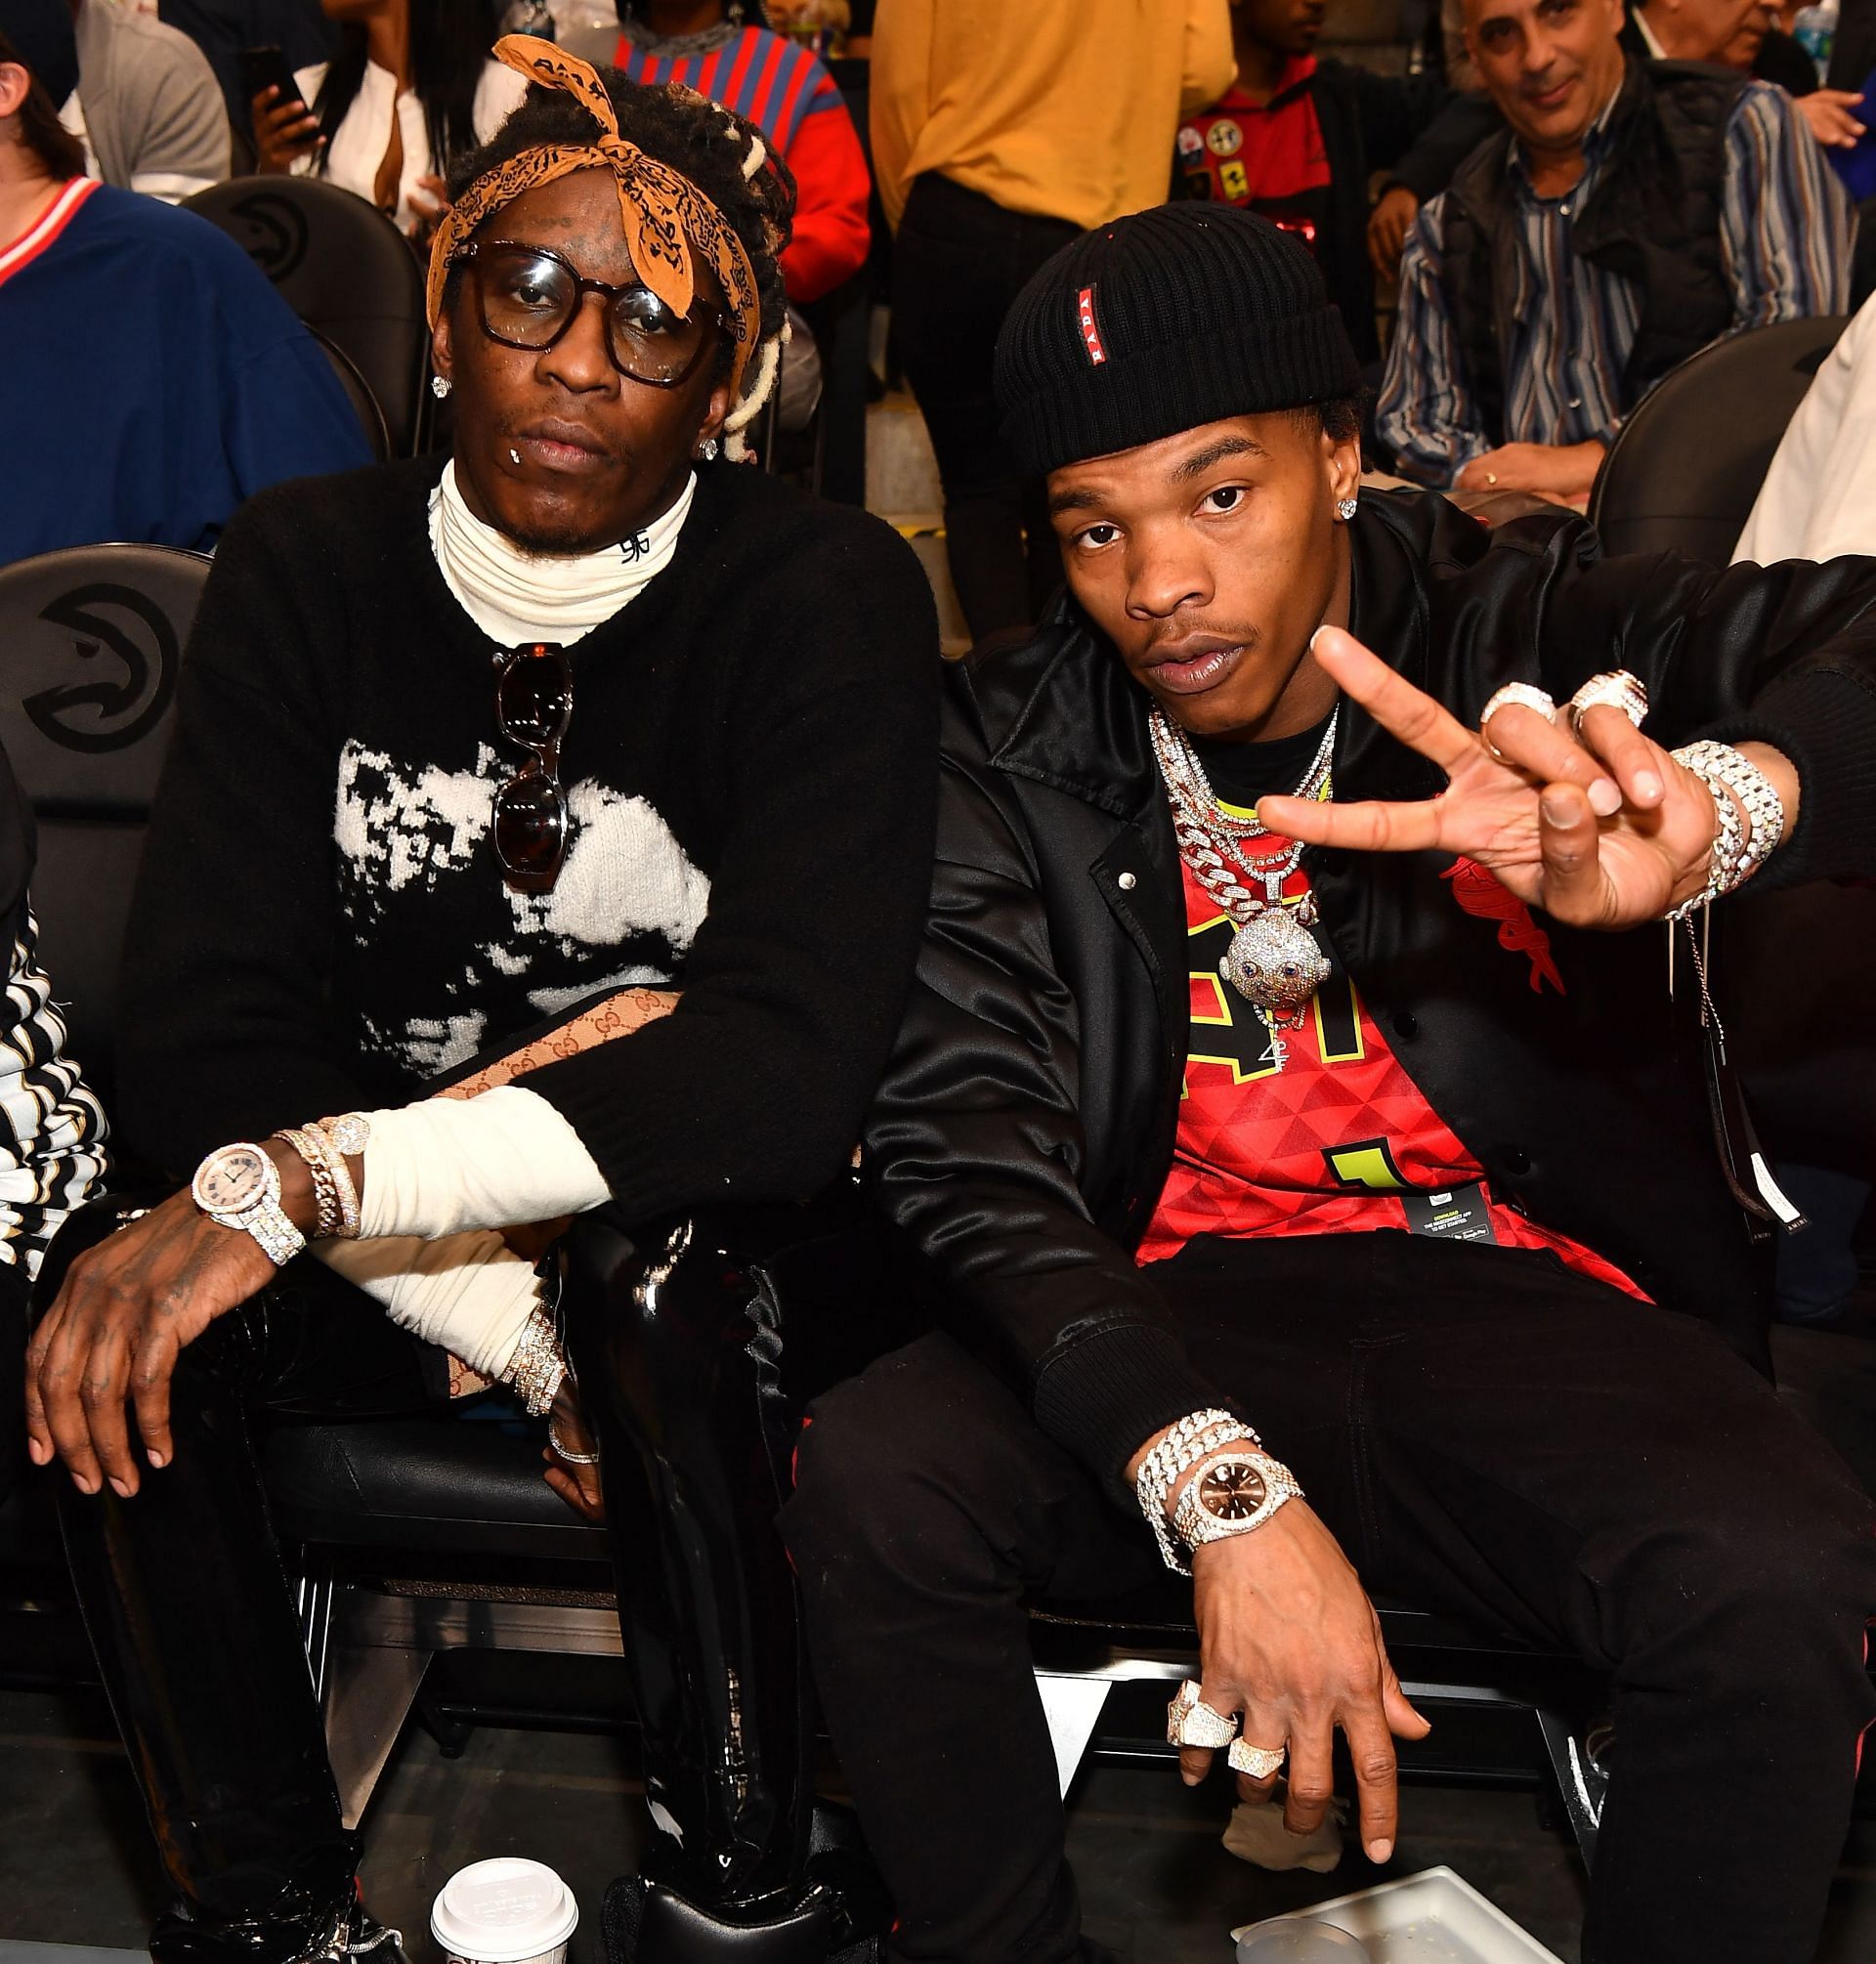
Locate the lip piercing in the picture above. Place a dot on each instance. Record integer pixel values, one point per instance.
(514, 456)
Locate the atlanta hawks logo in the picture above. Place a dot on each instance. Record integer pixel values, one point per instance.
(1090, 327)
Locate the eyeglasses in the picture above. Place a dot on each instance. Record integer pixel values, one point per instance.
(533, 705)
(528, 297)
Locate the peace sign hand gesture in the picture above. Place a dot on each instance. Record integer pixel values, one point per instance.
(1602, 830)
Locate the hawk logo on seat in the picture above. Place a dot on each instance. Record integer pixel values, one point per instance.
(276, 237)
(109, 712)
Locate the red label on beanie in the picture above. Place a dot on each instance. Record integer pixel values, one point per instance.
(1090, 328)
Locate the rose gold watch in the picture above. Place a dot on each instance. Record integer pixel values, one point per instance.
(1233, 1493)
(238, 1186)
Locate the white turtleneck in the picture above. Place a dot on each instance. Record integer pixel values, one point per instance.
(444, 1176)
(516, 597)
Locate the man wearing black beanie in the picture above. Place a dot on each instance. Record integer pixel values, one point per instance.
(1387, 1154)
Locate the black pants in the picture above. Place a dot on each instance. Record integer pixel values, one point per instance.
(187, 1607)
(960, 260)
(1487, 1435)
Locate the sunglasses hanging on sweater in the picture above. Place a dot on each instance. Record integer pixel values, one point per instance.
(533, 705)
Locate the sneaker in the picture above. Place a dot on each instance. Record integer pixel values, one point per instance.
(179, 1938)
(366, 1937)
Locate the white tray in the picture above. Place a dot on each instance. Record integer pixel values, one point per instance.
(1434, 1917)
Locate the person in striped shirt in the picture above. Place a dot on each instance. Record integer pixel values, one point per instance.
(52, 1127)
(1630, 214)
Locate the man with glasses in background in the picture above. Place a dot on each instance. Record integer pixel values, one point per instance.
(584, 732)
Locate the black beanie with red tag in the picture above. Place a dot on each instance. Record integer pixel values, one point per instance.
(1160, 323)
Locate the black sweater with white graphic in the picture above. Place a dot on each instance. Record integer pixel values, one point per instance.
(321, 923)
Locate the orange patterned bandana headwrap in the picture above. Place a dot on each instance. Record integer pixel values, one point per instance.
(665, 215)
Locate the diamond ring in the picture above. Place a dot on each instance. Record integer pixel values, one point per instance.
(1618, 688)
(1184, 1699)
(1191, 1722)
(567, 1452)
(1525, 695)
(1259, 1761)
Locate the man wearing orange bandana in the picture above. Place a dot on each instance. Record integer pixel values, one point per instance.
(584, 728)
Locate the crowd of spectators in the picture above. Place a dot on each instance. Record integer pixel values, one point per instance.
(411, 85)
(1520, 246)
(1181, 299)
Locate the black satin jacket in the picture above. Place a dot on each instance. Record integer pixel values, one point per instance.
(1026, 1124)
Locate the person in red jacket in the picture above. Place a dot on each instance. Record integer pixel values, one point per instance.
(729, 53)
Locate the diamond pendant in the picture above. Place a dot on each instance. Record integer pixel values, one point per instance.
(1276, 962)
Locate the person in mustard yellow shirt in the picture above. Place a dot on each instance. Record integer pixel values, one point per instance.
(998, 134)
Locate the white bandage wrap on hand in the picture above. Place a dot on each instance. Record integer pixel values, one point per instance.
(505, 1158)
(470, 1293)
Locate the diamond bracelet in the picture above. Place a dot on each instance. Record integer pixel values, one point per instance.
(332, 1187)
(539, 1364)
(325, 1192)
(1157, 1468)
(1741, 844)
(1185, 1443)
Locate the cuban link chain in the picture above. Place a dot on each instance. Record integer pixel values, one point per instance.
(1274, 961)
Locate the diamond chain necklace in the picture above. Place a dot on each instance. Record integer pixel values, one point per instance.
(1274, 962)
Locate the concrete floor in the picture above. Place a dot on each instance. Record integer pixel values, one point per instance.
(76, 1868)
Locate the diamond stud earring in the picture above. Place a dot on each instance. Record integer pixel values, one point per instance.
(1344, 509)
(439, 386)
(707, 450)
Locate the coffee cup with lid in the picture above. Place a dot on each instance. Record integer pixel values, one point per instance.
(505, 1910)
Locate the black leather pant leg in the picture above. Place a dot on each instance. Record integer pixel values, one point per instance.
(670, 1382)
(189, 1610)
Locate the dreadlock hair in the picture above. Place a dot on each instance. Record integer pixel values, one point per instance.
(57, 151)
(449, 43)
(722, 154)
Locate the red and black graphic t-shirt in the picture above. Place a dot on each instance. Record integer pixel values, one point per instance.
(1338, 1140)
(1266, 157)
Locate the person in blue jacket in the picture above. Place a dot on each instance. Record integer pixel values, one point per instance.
(153, 379)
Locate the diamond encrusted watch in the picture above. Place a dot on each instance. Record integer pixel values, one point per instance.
(238, 1186)
(1233, 1494)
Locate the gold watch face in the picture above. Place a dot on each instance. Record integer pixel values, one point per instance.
(231, 1180)
(1231, 1490)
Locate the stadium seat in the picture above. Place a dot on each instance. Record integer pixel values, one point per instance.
(93, 639)
(1685, 467)
(364, 405)
(345, 269)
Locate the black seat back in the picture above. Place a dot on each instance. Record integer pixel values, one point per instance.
(91, 641)
(364, 405)
(1685, 467)
(345, 269)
